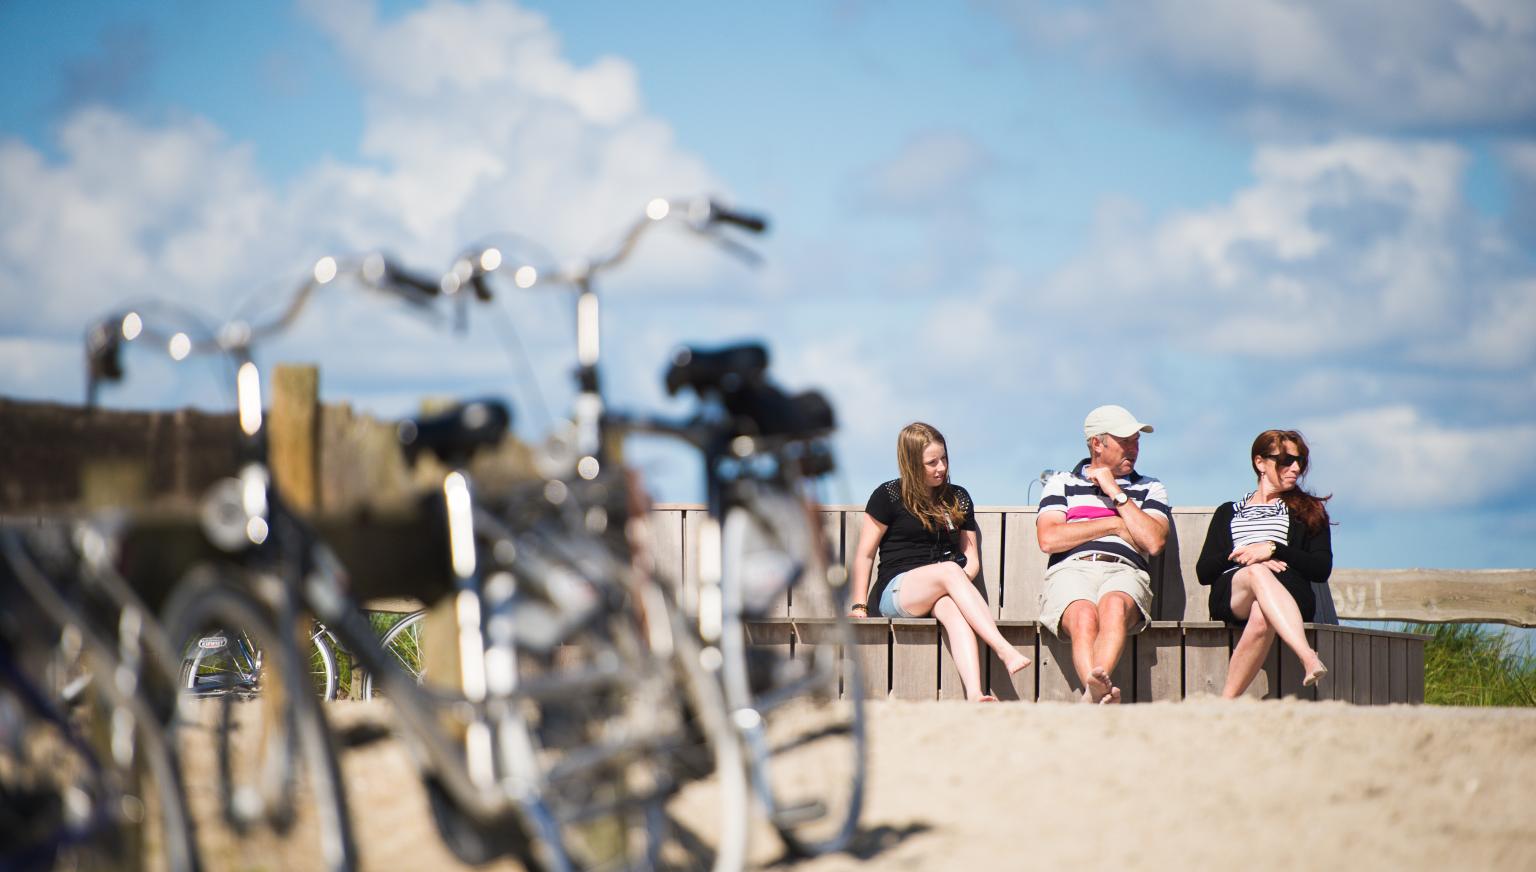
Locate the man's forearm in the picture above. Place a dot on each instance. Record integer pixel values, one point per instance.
(1147, 533)
(1064, 536)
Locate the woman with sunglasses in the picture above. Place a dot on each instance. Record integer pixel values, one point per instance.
(925, 529)
(1262, 555)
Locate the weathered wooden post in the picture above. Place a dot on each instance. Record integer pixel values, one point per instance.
(293, 428)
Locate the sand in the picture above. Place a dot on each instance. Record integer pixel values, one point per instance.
(1199, 784)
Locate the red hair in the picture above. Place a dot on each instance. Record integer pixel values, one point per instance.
(1304, 506)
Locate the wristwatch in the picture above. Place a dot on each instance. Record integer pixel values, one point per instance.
(1120, 499)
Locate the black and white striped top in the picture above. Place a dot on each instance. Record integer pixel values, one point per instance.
(1260, 523)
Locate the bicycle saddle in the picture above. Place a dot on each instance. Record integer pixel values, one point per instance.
(765, 410)
(726, 369)
(456, 434)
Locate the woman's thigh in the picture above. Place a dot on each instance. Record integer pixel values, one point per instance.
(924, 585)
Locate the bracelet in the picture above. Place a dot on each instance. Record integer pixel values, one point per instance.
(864, 606)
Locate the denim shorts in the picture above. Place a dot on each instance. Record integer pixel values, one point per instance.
(889, 607)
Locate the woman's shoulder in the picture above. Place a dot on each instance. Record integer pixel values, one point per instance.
(962, 494)
(887, 493)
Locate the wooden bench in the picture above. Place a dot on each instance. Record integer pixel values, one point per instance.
(1171, 660)
(1183, 653)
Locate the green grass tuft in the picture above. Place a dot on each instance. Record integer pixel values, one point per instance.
(1475, 665)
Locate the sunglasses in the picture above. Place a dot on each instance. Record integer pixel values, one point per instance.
(1283, 460)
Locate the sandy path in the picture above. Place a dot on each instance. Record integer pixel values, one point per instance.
(1197, 784)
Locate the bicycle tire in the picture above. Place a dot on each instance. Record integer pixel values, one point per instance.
(284, 730)
(204, 670)
(403, 641)
(101, 721)
(801, 717)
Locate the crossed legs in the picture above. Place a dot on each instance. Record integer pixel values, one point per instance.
(1097, 632)
(944, 590)
(1271, 611)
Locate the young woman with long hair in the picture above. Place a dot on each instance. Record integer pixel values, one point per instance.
(1262, 555)
(925, 529)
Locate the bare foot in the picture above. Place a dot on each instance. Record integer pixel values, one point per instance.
(1111, 698)
(987, 697)
(1017, 662)
(1314, 674)
(1099, 684)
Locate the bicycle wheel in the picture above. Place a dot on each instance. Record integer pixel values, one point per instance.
(403, 642)
(87, 777)
(225, 661)
(268, 783)
(801, 717)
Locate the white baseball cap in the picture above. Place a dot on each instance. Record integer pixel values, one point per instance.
(1114, 420)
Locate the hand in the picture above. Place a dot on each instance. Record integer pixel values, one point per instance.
(1275, 566)
(1258, 552)
(1103, 478)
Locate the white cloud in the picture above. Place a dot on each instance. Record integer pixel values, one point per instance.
(1393, 456)
(1357, 247)
(933, 171)
(1352, 63)
(475, 122)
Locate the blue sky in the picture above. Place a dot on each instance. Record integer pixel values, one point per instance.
(991, 217)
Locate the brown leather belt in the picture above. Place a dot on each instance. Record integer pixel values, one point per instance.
(1102, 557)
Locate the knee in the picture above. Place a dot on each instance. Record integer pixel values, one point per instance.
(1113, 607)
(1080, 618)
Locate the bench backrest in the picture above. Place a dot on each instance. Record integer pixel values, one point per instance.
(1013, 572)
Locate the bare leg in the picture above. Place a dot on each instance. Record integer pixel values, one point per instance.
(962, 645)
(926, 585)
(1080, 623)
(1117, 613)
(1257, 584)
(1248, 655)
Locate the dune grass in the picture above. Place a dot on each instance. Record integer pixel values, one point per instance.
(1476, 665)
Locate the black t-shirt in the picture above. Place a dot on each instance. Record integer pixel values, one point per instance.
(907, 544)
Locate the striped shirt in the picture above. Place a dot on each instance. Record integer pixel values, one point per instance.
(1260, 523)
(1081, 500)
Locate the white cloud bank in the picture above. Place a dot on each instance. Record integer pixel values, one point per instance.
(1359, 64)
(475, 122)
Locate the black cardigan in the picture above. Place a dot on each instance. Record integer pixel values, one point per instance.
(1309, 554)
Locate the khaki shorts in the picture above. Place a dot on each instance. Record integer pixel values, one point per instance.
(1073, 580)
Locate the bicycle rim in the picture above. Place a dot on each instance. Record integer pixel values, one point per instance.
(403, 643)
(262, 773)
(797, 702)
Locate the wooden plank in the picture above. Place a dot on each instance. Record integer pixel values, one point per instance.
(1436, 595)
(1415, 671)
(1362, 669)
(1207, 651)
(1159, 658)
(1397, 673)
(397, 604)
(1324, 646)
(914, 658)
(1189, 527)
(819, 600)
(1342, 670)
(293, 435)
(950, 685)
(693, 523)
(815, 638)
(774, 635)
(1024, 635)
(991, 546)
(1381, 670)
(1291, 672)
(1057, 679)
(666, 530)
(872, 650)
(1023, 572)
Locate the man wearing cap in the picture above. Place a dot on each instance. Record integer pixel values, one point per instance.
(1099, 523)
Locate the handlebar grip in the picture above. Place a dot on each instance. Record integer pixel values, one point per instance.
(395, 275)
(744, 220)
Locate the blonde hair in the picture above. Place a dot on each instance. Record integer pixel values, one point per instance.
(935, 507)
